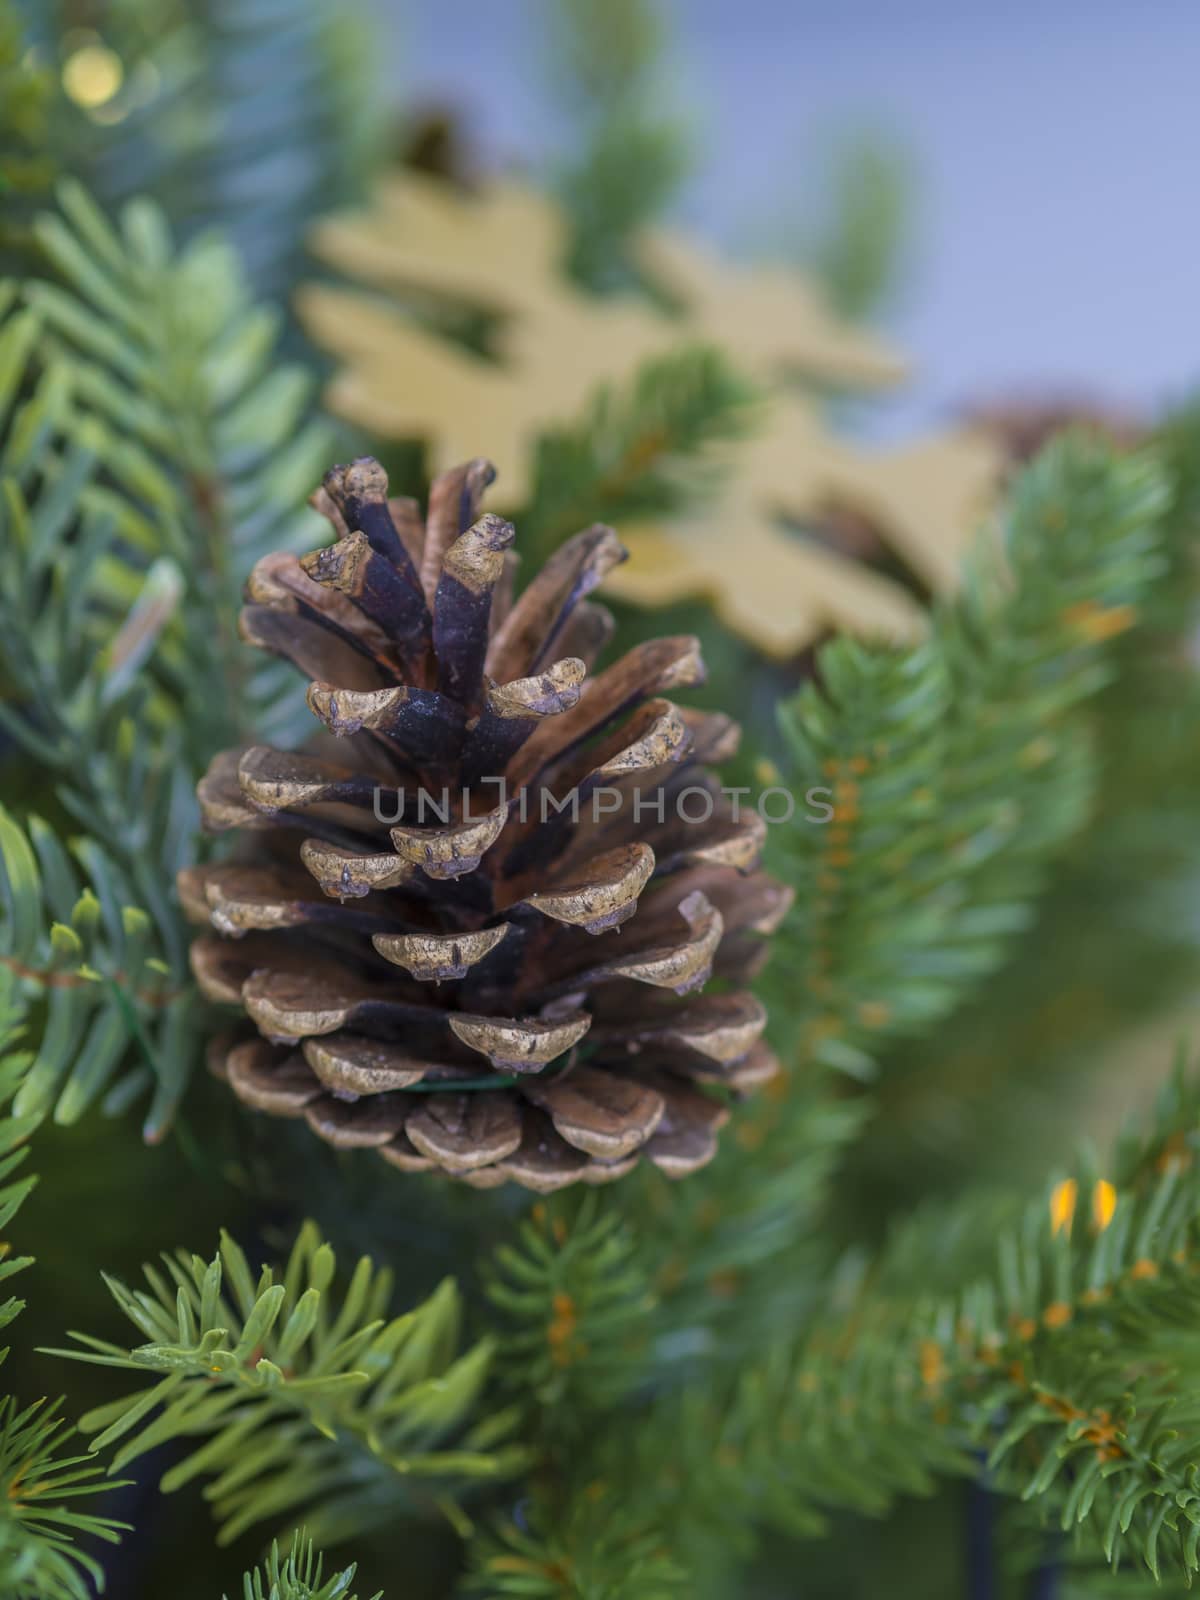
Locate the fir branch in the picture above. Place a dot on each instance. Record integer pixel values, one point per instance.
(26, 165)
(252, 116)
(977, 772)
(85, 969)
(39, 1521)
(956, 770)
(635, 453)
(1072, 1366)
(79, 613)
(627, 158)
(859, 253)
(297, 1576)
(302, 1399)
(742, 1260)
(572, 1300)
(38, 1557)
(604, 1550)
(15, 1132)
(168, 350)
(1115, 947)
(149, 453)
(738, 1258)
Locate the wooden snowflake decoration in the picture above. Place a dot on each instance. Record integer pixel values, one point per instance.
(426, 249)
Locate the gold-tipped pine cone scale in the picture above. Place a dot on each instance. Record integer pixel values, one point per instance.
(470, 926)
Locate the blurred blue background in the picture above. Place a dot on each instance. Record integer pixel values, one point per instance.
(1054, 151)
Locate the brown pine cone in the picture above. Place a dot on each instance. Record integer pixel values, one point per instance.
(1024, 424)
(449, 969)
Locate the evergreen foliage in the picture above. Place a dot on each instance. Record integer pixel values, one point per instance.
(85, 968)
(304, 1400)
(575, 1297)
(801, 1427)
(628, 156)
(297, 1576)
(39, 1522)
(39, 1559)
(1070, 1363)
(594, 1556)
(955, 770)
(593, 1307)
(635, 453)
(170, 352)
(892, 916)
(859, 250)
(26, 166)
(14, 1132)
(250, 116)
(151, 453)
(1117, 909)
(80, 611)
(640, 1391)
(1070, 1368)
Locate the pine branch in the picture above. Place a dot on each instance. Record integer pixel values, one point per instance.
(843, 1419)
(149, 453)
(603, 1551)
(39, 1521)
(859, 254)
(635, 453)
(76, 617)
(253, 116)
(572, 1302)
(169, 351)
(740, 1256)
(1072, 1366)
(977, 772)
(1115, 946)
(83, 970)
(14, 1135)
(26, 166)
(38, 1557)
(303, 1399)
(627, 158)
(958, 769)
(80, 611)
(297, 1576)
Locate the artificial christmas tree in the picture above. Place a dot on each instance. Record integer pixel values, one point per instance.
(472, 935)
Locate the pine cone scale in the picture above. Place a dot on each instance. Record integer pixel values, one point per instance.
(454, 503)
(351, 1065)
(524, 642)
(462, 1131)
(463, 607)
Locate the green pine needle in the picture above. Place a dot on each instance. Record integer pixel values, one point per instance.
(38, 1556)
(959, 768)
(151, 449)
(305, 1399)
(572, 1300)
(634, 452)
(603, 1550)
(297, 1576)
(628, 147)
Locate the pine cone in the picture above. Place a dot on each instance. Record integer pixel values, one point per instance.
(447, 969)
(1024, 424)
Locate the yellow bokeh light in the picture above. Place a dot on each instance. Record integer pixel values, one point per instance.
(1104, 1203)
(92, 76)
(1062, 1205)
